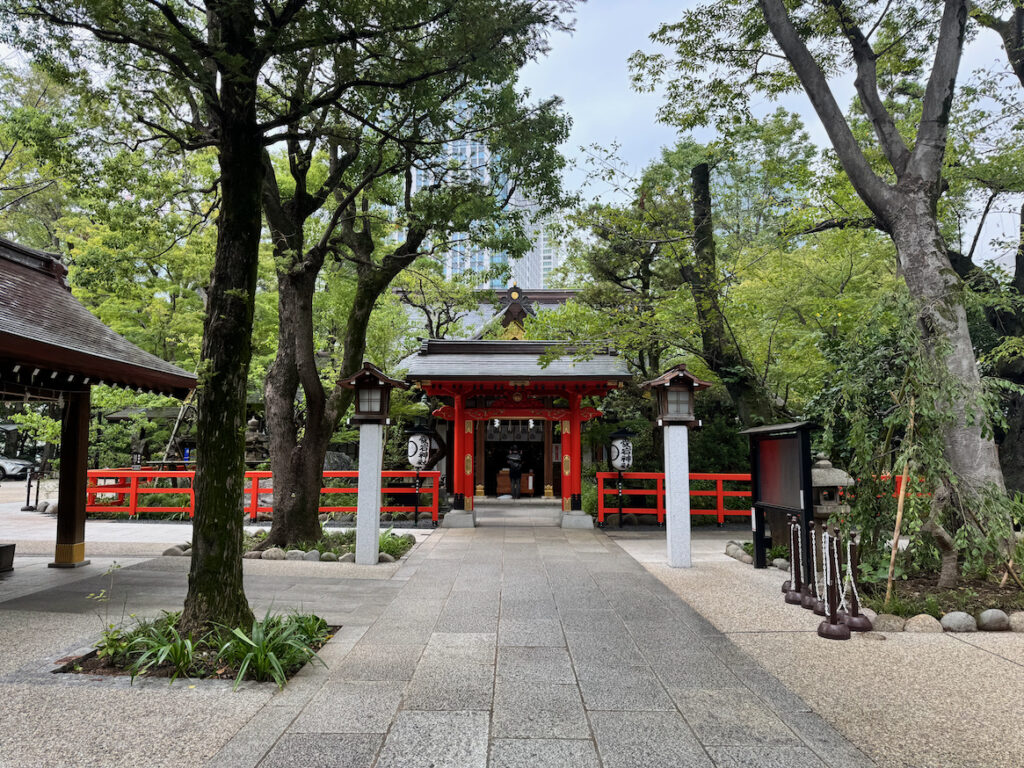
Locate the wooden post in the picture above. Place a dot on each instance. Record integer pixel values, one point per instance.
(576, 497)
(74, 443)
(466, 463)
(478, 460)
(566, 464)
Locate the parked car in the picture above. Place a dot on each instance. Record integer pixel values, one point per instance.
(15, 468)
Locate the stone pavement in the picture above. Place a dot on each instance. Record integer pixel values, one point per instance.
(525, 645)
(514, 644)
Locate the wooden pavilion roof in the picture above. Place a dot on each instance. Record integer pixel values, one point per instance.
(50, 343)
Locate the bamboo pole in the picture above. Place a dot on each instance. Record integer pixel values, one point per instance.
(899, 509)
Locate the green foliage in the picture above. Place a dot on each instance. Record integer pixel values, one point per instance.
(159, 643)
(273, 648)
(393, 544)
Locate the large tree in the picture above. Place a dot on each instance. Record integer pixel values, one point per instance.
(208, 75)
(730, 49)
(346, 195)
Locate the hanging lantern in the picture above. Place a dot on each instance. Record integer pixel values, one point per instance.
(419, 446)
(622, 449)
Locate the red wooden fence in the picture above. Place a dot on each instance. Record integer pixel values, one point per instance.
(607, 486)
(130, 487)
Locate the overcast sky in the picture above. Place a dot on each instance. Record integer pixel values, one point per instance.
(588, 70)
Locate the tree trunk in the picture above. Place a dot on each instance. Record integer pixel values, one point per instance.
(949, 571)
(1011, 450)
(297, 463)
(926, 269)
(215, 589)
(749, 396)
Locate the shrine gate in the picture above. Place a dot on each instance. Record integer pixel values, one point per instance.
(502, 392)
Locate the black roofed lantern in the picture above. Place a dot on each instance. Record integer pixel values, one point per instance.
(373, 393)
(675, 389)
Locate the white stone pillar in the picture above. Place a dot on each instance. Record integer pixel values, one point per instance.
(371, 459)
(677, 495)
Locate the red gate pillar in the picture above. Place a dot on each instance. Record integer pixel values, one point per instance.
(466, 463)
(576, 499)
(458, 449)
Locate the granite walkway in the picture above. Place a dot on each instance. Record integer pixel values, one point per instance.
(520, 644)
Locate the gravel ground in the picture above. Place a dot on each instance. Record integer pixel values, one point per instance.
(908, 700)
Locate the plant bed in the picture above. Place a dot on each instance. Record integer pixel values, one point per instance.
(913, 596)
(332, 546)
(272, 649)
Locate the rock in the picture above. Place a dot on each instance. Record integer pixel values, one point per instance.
(923, 622)
(872, 615)
(1017, 621)
(348, 557)
(264, 517)
(612, 519)
(887, 622)
(400, 516)
(51, 509)
(294, 554)
(328, 557)
(959, 621)
(408, 537)
(313, 556)
(173, 552)
(780, 563)
(386, 517)
(993, 620)
(384, 557)
(747, 559)
(346, 519)
(261, 532)
(42, 507)
(425, 523)
(323, 517)
(274, 553)
(253, 555)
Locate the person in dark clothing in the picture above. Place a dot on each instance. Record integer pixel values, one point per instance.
(515, 469)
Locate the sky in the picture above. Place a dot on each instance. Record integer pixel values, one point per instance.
(588, 69)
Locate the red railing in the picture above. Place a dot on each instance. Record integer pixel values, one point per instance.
(607, 485)
(129, 488)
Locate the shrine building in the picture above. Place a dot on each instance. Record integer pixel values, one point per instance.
(505, 392)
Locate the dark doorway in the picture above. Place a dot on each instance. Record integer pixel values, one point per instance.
(495, 460)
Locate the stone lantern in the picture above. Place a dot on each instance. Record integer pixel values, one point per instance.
(372, 399)
(675, 390)
(827, 482)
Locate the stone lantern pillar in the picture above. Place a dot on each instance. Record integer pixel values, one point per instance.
(826, 484)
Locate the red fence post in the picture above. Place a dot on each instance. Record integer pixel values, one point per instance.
(133, 495)
(254, 502)
(721, 500)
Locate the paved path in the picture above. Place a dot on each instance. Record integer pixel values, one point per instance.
(520, 644)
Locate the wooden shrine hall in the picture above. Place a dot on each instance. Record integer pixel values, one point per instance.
(53, 349)
(502, 394)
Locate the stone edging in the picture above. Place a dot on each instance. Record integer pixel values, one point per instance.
(990, 620)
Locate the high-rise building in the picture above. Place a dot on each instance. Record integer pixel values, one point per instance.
(467, 156)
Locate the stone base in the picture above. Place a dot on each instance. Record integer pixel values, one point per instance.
(577, 520)
(459, 519)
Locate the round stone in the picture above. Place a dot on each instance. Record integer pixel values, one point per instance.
(1017, 621)
(993, 620)
(328, 557)
(346, 519)
(408, 537)
(51, 509)
(888, 622)
(426, 523)
(781, 564)
(313, 556)
(384, 557)
(872, 615)
(323, 517)
(173, 552)
(348, 557)
(746, 559)
(923, 622)
(43, 507)
(274, 553)
(253, 555)
(386, 517)
(294, 554)
(959, 621)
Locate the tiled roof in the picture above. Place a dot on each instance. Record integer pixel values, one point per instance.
(442, 359)
(43, 326)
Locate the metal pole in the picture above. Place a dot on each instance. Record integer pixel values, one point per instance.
(28, 492)
(416, 500)
(620, 498)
